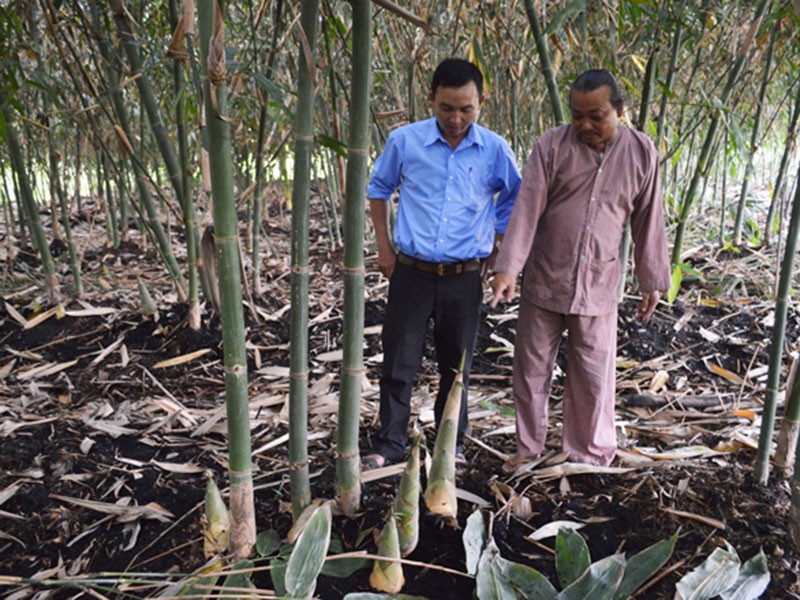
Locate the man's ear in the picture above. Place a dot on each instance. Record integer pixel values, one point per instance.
(482, 99)
(430, 98)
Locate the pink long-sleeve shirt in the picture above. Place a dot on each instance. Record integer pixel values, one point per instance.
(568, 221)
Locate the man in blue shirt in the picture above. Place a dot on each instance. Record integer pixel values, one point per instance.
(457, 182)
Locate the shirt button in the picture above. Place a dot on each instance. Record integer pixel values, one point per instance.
(451, 178)
(445, 220)
(587, 227)
(593, 198)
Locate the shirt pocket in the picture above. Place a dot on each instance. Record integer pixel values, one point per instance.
(478, 192)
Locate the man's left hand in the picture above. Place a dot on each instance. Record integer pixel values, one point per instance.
(648, 305)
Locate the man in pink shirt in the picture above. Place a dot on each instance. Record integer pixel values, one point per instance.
(581, 184)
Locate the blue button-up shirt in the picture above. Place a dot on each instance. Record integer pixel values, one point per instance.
(451, 201)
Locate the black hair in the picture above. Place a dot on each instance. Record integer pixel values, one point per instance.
(592, 79)
(456, 72)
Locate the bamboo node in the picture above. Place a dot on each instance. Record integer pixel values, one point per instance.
(346, 456)
(353, 270)
(349, 371)
(300, 375)
(297, 466)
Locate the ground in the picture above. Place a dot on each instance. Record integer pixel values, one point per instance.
(103, 452)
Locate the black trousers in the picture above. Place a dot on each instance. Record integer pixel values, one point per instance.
(416, 297)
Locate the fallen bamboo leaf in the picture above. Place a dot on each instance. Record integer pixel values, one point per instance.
(8, 493)
(42, 317)
(178, 467)
(7, 368)
(180, 360)
(46, 370)
(100, 311)
(745, 413)
(472, 498)
(15, 314)
(567, 469)
(551, 529)
(716, 523)
(678, 453)
(724, 373)
(123, 513)
(106, 351)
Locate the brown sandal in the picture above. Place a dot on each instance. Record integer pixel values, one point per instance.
(512, 464)
(370, 462)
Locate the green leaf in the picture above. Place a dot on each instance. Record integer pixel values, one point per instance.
(675, 285)
(642, 566)
(527, 581)
(573, 9)
(309, 553)
(474, 539)
(240, 580)
(329, 142)
(572, 556)
(752, 581)
(277, 572)
(342, 568)
(490, 582)
(717, 573)
(268, 543)
(598, 582)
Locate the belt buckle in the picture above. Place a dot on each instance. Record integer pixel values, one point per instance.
(440, 269)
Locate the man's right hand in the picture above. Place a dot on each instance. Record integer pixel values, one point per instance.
(503, 286)
(387, 261)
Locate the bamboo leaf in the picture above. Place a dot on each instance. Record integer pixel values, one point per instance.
(267, 542)
(343, 568)
(572, 556)
(240, 581)
(552, 528)
(309, 553)
(573, 9)
(374, 596)
(180, 360)
(490, 582)
(753, 579)
(474, 539)
(642, 566)
(717, 573)
(529, 582)
(598, 582)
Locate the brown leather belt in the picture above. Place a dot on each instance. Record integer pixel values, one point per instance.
(440, 269)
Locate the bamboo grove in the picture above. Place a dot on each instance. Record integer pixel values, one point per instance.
(152, 110)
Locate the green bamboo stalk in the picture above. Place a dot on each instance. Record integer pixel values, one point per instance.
(701, 168)
(348, 484)
(754, 133)
(26, 193)
(303, 146)
(677, 38)
(242, 509)
(788, 150)
(544, 59)
(58, 192)
(149, 101)
(187, 205)
(778, 338)
(644, 114)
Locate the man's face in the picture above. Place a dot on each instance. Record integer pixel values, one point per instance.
(594, 117)
(456, 108)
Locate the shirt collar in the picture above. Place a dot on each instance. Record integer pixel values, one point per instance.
(433, 135)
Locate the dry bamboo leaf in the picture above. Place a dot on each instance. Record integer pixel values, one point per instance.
(695, 517)
(712, 302)
(123, 513)
(8, 493)
(332, 356)
(105, 352)
(11, 538)
(8, 427)
(16, 315)
(744, 413)
(111, 428)
(42, 317)
(568, 469)
(7, 368)
(709, 336)
(274, 372)
(383, 472)
(551, 529)
(678, 453)
(100, 311)
(471, 498)
(46, 370)
(724, 373)
(180, 360)
(186, 469)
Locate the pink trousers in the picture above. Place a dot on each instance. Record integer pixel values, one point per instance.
(588, 406)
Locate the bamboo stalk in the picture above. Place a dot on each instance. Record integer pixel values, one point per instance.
(348, 484)
(242, 509)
